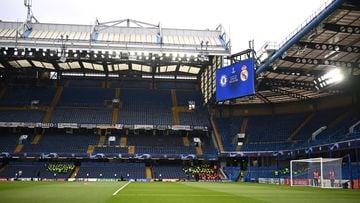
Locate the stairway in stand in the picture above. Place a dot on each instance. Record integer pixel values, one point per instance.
(37, 138)
(18, 148)
(217, 135)
(148, 172)
(131, 150)
(186, 141)
(75, 172)
(101, 139)
(90, 149)
(123, 141)
(297, 130)
(53, 104)
(199, 150)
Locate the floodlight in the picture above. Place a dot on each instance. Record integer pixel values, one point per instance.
(63, 59)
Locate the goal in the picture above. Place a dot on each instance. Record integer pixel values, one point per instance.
(316, 172)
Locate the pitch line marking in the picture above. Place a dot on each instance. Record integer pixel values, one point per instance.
(121, 188)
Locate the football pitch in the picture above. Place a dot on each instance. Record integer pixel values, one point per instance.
(157, 192)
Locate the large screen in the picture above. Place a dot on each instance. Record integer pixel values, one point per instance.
(236, 80)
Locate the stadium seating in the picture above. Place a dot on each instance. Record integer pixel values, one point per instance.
(175, 85)
(228, 128)
(32, 116)
(168, 172)
(321, 118)
(159, 144)
(271, 132)
(232, 172)
(112, 170)
(131, 84)
(86, 97)
(111, 150)
(276, 146)
(183, 97)
(33, 170)
(195, 118)
(271, 128)
(153, 107)
(84, 83)
(62, 144)
(87, 102)
(82, 115)
(207, 144)
(256, 172)
(8, 142)
(340, 131)
(24, 95)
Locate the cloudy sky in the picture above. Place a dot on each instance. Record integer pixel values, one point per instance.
(261, 20)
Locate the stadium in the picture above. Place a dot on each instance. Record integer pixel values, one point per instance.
(130, 111)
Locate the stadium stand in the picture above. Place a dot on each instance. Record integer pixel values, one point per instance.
(84, 83)
(82, 115)
(228, 128)
(85, 97)
(232, 172)
(145, 109)
(169, 172)
(112, 170)
(62, 144)
(175, 85)
(69, 109)
(256, 172)
(140, 84)
(8, 142)
(27, 95)
(261, 137)
(42, 170)
(159, 144)
(321, 118)
(23, 115)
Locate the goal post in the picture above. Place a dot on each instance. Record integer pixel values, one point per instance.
(316, 172)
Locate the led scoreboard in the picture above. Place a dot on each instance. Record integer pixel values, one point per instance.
(236, 80)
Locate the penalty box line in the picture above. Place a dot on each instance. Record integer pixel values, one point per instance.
(122, 187)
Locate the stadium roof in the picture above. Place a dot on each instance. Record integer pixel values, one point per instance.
(124, 46)
(292, 71)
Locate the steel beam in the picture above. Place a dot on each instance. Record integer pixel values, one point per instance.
(289, 93)
(342, 28)
(329, 47)
(298, 71)
(312, 61)
(267, 82)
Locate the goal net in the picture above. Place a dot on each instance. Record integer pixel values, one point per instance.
(316, 172)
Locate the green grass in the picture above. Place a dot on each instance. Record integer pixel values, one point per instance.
(68, 192)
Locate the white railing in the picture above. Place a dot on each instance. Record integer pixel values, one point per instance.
(274, 45)
(308, 20)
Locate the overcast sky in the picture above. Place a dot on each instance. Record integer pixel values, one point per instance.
(261, 20)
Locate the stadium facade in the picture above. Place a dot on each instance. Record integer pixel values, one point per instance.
(133, 100)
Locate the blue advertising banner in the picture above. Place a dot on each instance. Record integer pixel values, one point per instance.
(236, 80)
